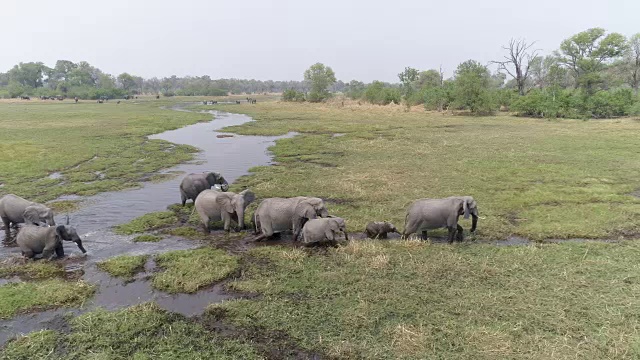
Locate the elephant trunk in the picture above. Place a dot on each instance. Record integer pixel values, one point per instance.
(474, 222)
(346, 237)
(79, 243)
(224, 186)
(323, 213)
(240, 214)
(51, 221)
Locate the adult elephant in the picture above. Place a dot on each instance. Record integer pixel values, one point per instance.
(194, 184)
(427, 214)
(324, 231)
(276, 215)
(16, 210)
(34, 240)
(213, 205)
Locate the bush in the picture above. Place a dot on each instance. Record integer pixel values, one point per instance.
(292, 95)
(547, 103)
(378, 94)
(606, 104)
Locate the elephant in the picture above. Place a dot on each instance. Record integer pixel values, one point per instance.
(379, 229)
(213, 205)
(15, 210)
(276, 215)
(75, 99)
(194, 184)
(323, 231)
(427, 214)
(34, 240)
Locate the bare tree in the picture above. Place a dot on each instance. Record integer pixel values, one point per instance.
(518, 61)
(632, 59)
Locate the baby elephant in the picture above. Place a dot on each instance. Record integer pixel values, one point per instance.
(379, 229)
(34, 240)
(323, 231)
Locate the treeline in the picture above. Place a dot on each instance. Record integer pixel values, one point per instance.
(85, 81)
(592, 75)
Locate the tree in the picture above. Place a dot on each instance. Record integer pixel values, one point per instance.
(321, 78)
(631, 62)
(471, 87)
(354, 89)
(429, 79)
(518, 62)
(127, 82)
(28, 74)
(408, 77)
(587, 53)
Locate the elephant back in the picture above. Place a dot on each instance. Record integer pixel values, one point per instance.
(34, 237)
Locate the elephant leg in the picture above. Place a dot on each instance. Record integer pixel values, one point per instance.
(227, 221)
(59, 250)
(183, 198)
(459, 233)
(7, 229)
(424, 235)
(28, 254)
(383, 235)
(452, 232)
(205, 225)
(234, 217)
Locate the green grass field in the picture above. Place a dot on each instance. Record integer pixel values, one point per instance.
(394, 299)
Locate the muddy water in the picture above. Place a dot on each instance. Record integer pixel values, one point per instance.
(231, 156)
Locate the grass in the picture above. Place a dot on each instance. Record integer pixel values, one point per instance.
(185, 232)
(147, 238)
(124, 266)
(533, 178)
(82, 141)
(416, 300)
(30, 296)
(153, 334)
(33, 270)
(147, 222)
(187, 271)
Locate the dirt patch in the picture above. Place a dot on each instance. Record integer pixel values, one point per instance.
(337, 201)
(635, 194)
(220, 136)
(271, 344)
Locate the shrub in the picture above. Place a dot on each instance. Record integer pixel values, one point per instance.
(606, 104)
(377, 93)
(292, 95)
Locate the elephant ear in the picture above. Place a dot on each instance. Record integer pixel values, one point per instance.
(225, 201)
(61, 232)
(317, 203)
(249, 196)
(31, 214)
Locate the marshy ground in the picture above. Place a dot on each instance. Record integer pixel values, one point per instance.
(533, 179)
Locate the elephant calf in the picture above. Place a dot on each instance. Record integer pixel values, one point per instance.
(323, 231)
(426, 214)
(34, 240)
(379, 229)
(16, 210)
(213, 205)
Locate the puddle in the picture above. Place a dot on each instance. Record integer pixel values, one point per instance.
(338, 135)
(11, 280)
(55, 175)
(114, 294)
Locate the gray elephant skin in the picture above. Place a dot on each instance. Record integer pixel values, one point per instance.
(379, 229)
(324, 231)
(34, 240)
(213, 205)
(193, 184)
(275, 215)
(428, 214)
(16, 210)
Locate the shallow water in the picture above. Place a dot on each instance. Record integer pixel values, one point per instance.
(113, 294)
(231, 156)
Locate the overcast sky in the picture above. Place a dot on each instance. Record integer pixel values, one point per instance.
(364, 40)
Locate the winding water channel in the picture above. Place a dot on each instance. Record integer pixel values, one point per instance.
(232, 156)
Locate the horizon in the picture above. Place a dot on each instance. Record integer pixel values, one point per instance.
(278, 41)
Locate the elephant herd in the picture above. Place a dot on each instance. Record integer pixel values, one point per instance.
(308, 217)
